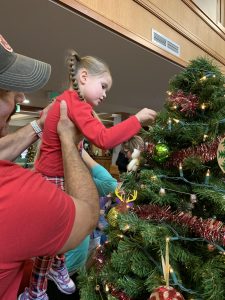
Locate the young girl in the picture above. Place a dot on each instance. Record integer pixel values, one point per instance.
(90, 80)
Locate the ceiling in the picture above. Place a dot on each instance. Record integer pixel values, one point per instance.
(45, 30)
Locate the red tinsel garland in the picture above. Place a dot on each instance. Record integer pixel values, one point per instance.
(210, 229)
(206, 151)
(118, 294)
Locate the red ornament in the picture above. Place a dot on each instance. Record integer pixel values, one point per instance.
(165, 293)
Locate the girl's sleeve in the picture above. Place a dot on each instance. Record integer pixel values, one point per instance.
(97, 133)
(105, 183)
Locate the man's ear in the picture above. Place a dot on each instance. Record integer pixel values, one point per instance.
(83, 76)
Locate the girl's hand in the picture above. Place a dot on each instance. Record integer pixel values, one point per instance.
(146, 116)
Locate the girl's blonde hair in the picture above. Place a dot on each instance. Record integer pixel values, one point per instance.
(95, 66)
(136, 142)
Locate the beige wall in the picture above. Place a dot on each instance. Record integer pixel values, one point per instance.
(209, 7)
(179, 20)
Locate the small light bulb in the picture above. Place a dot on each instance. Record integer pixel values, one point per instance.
(205, 137)
(120, 236)
(26, 101)
(207, 177)
(106, 288)
(203, 106)
(181, 170)
(176, 121)
(126, 227)
(169, 124)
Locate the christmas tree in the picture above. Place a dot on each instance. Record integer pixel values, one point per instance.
(31, 152)
(171, 243)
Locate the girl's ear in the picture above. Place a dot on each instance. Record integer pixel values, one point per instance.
(83, 76)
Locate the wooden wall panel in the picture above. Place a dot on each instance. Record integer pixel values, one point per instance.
(179, 20)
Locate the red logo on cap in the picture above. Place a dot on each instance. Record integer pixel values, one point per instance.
(5, 44)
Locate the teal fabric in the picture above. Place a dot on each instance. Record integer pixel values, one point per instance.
(105, 184)
(77, 257)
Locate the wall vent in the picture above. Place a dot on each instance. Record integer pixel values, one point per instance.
(165, 43)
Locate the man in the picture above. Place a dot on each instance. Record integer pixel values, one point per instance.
(37, 218)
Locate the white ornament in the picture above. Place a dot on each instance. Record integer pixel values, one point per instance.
(162, 191)
(136, 154)
(134, 163)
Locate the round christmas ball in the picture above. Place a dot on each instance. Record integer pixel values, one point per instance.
(112, 216)
(161, 152)
(165, 293)
(211, 247)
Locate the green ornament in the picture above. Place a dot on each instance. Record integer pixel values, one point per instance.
(161, 152)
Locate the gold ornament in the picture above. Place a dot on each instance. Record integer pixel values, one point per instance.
(122, 207)
(112, 216)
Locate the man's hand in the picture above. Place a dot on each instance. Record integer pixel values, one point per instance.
(43, 115)
(66, 128)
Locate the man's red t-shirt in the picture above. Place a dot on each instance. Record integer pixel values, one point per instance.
(36, 220)
(81, 113)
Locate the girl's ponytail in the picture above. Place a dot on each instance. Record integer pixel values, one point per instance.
(73, 61)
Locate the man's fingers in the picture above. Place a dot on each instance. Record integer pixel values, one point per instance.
(63, 109)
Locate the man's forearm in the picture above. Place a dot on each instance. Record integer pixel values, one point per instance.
(78, 180)
(12, 145)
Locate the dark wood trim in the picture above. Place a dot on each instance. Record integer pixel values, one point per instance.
(26, 108)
